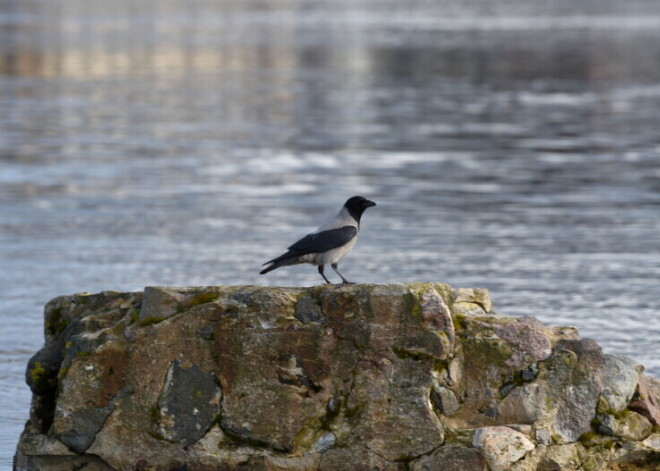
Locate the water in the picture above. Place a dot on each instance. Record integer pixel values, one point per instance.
(509, 145)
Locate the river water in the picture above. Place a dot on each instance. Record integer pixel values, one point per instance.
(509, 145)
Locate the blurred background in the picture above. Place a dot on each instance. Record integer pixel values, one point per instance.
(510, 144)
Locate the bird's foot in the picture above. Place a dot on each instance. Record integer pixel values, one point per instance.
(346, 282)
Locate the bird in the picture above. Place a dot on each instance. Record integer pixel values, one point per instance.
(327, 244)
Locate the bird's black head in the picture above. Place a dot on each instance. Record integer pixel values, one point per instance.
(357, 205)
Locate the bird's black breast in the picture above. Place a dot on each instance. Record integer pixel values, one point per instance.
(319, 242)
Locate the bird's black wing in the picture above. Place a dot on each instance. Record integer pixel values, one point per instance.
(319, 242)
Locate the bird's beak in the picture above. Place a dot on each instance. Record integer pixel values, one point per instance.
(369, 204)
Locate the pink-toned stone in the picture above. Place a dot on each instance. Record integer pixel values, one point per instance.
(529, 338)
(648, 399)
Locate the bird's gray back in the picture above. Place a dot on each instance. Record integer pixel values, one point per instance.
(341, 219)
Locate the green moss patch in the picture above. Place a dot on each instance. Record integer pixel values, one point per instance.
(458, 320)
(37, 372)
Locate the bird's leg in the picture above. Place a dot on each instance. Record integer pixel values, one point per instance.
(321, 272)
(343, 280)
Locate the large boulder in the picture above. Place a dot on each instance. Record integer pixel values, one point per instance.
(403, 376)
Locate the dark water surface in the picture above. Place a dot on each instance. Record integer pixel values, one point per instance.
(509, 145)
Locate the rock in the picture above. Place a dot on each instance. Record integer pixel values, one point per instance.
(564, 395)
(384, 377)
(529, 373)
(653, 442)
(503, 357)
(307, 462)
(554, 458)
(621, 376)
(308, 309)
(391, 399)
(468, 309)
(574, 380)
(37, 451)
(628, 425)
(78, 429)
(566, 332)
(478, 296)
(94, 381)
(543, 437)
(525, 429)
(159, 303)
(501, 446)
(43, 367)
(326, 442)
(529, 343)
(451, 458)
(436, 315)
(646, 400)
(66, 319)
(355, 459)
(445, 400)
(188, 403)
(58, 463)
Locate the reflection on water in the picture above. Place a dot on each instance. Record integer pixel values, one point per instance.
(509, 145)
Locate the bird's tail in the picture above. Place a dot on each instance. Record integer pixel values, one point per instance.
(270, 268)
(281, 261)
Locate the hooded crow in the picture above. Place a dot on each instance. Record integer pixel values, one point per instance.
(327, 244)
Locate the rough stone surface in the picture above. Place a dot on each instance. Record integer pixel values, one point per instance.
(543, 437)
(159, 303)
(56, 463)
(355, 459)
(629, 426)
(621, 377)
(653, 442)
(499, 360)
(478, 296)
(308, 309)
(501, 446)
(445, 400)
(528, 340)
(451, 458)
(326, 442)
(646, 400)
(361, 377)
(574, 382)
(188, 403)
(392, 399)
